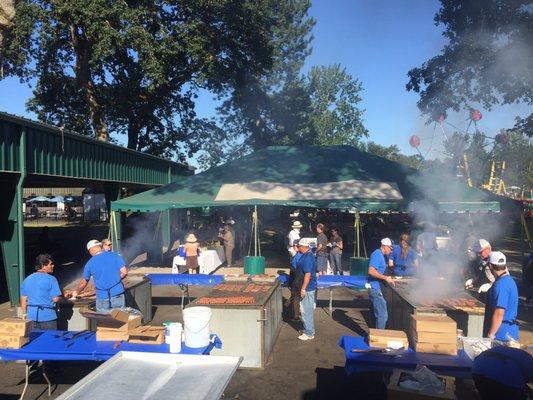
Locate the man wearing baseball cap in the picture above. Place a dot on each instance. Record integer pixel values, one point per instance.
(306, 268)
(481, 275)
(107, 269)
(376, 274)
(501, 307)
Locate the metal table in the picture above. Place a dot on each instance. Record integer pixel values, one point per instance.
(69, 345)
(145, 376)
(402, 302)
(249, 321)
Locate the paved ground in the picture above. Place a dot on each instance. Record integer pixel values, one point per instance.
(295, 370)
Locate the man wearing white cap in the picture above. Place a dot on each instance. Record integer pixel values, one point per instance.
(376, 273)
(501, 307)
(107, 269)
(482, 276)
(306, 273)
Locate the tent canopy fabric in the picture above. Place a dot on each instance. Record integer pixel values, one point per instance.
(336, 177)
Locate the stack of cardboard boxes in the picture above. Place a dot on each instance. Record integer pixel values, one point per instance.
(121, 326)
(435, 334)
(14, 332)
(387, 338)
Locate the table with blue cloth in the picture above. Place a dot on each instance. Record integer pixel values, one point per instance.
(83, 346)
(459, 366)
(333, 281)
(184, 280)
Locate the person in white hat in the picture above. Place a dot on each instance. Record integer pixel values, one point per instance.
(107, 269)
(480, 274)
(294, 236)
(376, 274)
(501, 308)
(191, 254)
(306, 274)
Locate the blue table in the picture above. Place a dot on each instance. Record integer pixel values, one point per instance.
(82, 346)
(333, 281)
(459, 366)
(184, 280)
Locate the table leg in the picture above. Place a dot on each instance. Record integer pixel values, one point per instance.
(182, 289)
(49, 383)
(331, 302)
(26, 379)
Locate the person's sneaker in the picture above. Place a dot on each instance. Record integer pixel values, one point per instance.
(304, 336)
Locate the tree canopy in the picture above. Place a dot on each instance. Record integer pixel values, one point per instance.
(488, 58)
(135, 67)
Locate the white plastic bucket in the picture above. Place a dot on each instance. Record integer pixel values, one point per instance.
(196, 321)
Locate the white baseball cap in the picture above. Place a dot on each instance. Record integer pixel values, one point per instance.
(386, 242)
(480, 245)
(92, 243)
(497, 258)
(306, 242)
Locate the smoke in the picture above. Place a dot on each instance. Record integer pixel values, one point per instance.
(142, 235)
(444, 270)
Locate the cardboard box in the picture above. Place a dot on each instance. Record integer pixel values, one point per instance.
(147, 335)
(433, 323)
(104, 335)
(12, 341)
(16, 326)
(383, 338)
(434, 337)
(436, 348)
(115, 320)
(396, 392)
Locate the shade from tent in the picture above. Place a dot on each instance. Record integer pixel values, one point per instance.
(335, 177)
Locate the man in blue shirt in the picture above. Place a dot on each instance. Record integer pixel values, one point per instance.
(39, 294)
(306, 266)
(503, 373)
(502, 303)
(108, 270)
(376, 273)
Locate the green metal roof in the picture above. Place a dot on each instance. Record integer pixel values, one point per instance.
(55, 157)
(308, 176)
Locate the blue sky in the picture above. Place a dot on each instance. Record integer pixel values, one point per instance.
(377, 41)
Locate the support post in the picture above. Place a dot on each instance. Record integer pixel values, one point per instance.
(165, 230)
(12, 227)
(112, 193)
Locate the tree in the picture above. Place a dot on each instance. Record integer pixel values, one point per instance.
(335, 114)
(272, 108)
(135, 67)
(392, 153)
(488, 58)
(518, 157)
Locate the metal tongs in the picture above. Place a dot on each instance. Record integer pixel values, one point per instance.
(388, 351)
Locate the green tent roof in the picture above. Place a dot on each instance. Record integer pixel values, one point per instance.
(337, 177)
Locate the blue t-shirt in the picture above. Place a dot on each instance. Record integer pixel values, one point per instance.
(307, 264)
(295, 259)
(504, 294)
(377, 260)
(40, 288)
(509, 366)
(105, 269)
(403, 266)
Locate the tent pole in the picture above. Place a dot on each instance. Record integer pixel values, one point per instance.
(255, 231)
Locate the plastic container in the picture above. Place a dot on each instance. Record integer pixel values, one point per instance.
(175, 330)
(197, 330)
(254, 265)
(167, 324)
(359, 266)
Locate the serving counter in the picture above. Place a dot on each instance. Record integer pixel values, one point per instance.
(248, 315)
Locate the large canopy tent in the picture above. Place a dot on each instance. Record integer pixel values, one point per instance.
(328, 177)
(335, 177)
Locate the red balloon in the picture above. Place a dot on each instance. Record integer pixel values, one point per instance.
(475, 115)
(414, 141)
(441, 118)
(502, 138)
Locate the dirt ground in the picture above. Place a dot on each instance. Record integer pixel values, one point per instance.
(295, 370)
